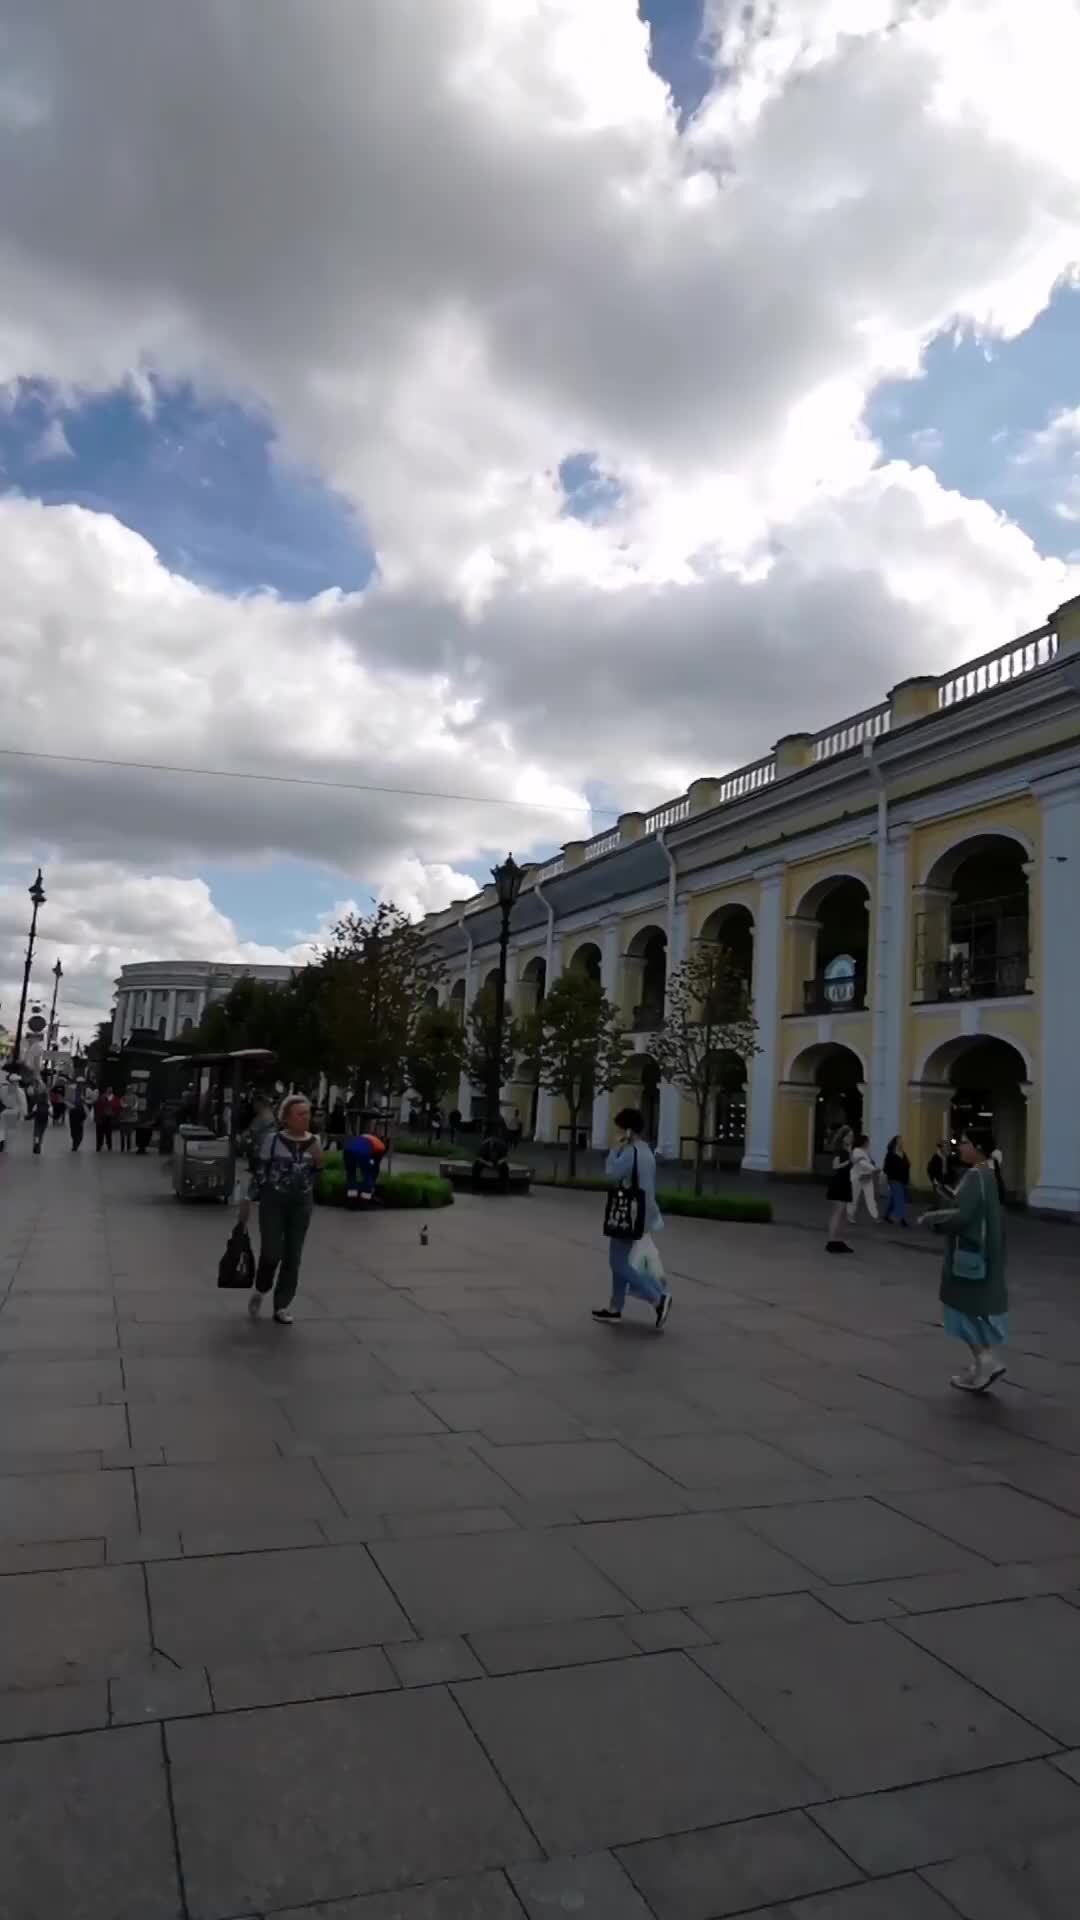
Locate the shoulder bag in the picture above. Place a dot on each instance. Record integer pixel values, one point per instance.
(969, 1263)
(624, 1214)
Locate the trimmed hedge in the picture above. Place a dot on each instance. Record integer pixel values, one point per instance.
(423, 1149)
(751, 1209)
(393, 1190)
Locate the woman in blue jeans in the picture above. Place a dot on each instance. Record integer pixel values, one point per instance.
(897, 1171)
(633, 1153)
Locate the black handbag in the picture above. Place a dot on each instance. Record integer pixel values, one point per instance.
(624, 1214)
(236, 1267)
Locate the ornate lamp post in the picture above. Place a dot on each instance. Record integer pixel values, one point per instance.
(57, 974)
(507, 878)
(37, 895)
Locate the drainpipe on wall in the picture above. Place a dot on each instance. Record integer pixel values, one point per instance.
(882, 1124)
(464, 1098)
(543, 1101)
(668, 1143)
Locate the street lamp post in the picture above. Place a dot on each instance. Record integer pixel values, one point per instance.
(37, 895)
(58, 974)
(507, 878)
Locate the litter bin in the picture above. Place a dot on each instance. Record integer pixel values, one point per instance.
(204, 1165)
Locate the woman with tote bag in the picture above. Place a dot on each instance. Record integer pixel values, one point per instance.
(973, 1290)
(631, 1217)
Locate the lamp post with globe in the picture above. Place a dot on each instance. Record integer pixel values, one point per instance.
(508, 878)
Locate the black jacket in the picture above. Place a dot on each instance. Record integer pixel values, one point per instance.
(897, 1167)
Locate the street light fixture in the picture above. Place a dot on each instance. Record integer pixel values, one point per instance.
(58, 974)
(508, 878)
(37, 895)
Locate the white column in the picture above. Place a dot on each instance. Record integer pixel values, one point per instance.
(545, 1105)
(1058, 1188)
(170, 1017)
(765, 1066)
(667, 1144)
(611, 955)
(891, 990)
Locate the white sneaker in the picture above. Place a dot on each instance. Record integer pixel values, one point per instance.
(283, 1319)
(254, 1306)
(663, 1308)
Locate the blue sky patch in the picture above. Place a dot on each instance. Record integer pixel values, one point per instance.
(203, 482)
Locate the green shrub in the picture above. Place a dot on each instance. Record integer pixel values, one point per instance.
(393, 1189)
(427, 1149)
(749, 1208)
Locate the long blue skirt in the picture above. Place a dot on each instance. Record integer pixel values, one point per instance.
(976, 1329)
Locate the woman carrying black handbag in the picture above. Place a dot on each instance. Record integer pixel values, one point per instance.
(630, 1214)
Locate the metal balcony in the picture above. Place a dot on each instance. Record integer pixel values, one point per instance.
(845, 993)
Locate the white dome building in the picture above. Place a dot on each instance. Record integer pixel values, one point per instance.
(169, 997)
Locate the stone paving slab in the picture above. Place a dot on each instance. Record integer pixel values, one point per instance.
(339, 1797)
(442, 1594)
(596, 1756)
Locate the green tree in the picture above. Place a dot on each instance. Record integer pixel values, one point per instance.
(375, 976)
(435, 1057)
(708, 1028)
(577, 1044)
(480, 1043)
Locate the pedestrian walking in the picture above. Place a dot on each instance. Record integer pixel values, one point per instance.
(996, 1162)
(897, 1170)
(286, 1169)
(973, 1292)
(129, 1113)
(3, 1117)
(40, 1112)
(77, 1117)
(57, 1102)
(838, 1191)
(864, 1178)
(103, 1119)
(939, 1171)
(631, 1217)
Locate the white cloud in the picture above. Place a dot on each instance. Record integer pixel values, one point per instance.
(443, 247)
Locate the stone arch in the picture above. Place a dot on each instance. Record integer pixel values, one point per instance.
(732, 926)
(646, 971)
(833, 1078)
(588, 959)
(973, 920)
(976, 1083)
(457, 999)
(831, 929)
(940, 870)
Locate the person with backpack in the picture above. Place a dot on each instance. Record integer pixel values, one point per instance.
(973, 1291)
(631, 1215)
(286, 1169)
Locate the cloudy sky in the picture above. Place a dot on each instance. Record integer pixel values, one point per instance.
(495, 412)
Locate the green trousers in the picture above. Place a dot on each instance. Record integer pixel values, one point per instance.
(284, 1218)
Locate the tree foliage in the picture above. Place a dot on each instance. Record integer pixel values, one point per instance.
(577, 1044)
(708, 1030)
(351, 1014)
(435, 1057)
(480, 1043)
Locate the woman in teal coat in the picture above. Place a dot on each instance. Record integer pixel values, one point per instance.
(973, 1291)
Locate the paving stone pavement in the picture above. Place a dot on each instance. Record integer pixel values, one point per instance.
(448, 1604)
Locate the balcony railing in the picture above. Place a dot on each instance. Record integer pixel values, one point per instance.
(982, 977)
(843, 994)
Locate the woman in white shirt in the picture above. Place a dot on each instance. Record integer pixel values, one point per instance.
(864, 1175)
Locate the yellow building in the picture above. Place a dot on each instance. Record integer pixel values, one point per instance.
(902, 891)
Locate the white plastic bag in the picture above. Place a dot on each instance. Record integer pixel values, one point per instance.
(645, 1258)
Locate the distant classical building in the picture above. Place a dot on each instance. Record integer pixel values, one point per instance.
(901, 893)
(169, 997)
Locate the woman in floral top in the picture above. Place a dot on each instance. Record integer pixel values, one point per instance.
(283, 1183)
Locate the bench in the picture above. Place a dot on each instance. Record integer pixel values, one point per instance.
(481, 1177)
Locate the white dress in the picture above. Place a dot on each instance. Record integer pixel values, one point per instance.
(863, 1184)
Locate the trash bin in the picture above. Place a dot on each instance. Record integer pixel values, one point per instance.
(204, 1165)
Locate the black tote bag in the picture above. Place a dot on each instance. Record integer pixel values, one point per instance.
(624, 1214)
(236, 1267)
